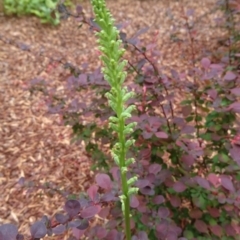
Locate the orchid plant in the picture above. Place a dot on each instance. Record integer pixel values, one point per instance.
(114, 74)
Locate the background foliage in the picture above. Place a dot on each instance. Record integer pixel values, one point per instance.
(44, 9)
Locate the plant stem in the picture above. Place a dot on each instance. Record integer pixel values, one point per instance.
(122, 161)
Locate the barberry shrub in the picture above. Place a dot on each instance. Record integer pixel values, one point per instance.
(186, 151)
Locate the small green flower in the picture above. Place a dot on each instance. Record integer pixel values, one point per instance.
(114, 74)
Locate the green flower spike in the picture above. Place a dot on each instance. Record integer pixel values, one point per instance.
(113, 70)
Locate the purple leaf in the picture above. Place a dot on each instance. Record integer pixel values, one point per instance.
(80, 224)
(140, 236)
(90, 212)
(45, 220)
(134, 203)
(212, 93)
(186, 110)
(141, 31)
(235, 107)
(82, 79)
(59, 229)
(188, 129)
(8, 232)
(147, 135)
(190, 12)
(175, 201)
(141, 64)
(21, 181)
(112, 235)
(179, 121)
(78, 233)
(61, 218)
(103, 181)
(221, 198)
(179, 187)
(227, 183)
(141, 183)
(20, 237)
(202, 182)
(195, 213)
(108, 197)
(24, 47)
(235, 154)
(213, 179)
(163, 212)
(229, 76)
(161, 135)
(188, 160)
(205, 62)
(175, 74)
(111, 224)
(133, 41)
(201, 226)
(123, 36)
(158, 199)
(216, 230)
(214, 212)
(154, 168)
(116, 212)
(94, 26)
(151, 177)
(115, 173)
(218, 67)
(93, 193)
(104, 212)
(229, 229)
(83, 202)
(38, 230)
(145, 219)
(77, 222)
(162, 228)
(72, 207)
(101, 233)
(235, 91)
(148, 190)
(79, 9)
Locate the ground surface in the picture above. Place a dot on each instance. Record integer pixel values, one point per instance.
(34, 145)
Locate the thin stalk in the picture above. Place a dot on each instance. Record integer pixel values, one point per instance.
(122, 161)
(230, 28)
(193, 58)
(156, 71)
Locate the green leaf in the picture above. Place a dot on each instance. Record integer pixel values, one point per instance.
(238, 176)
(188, 234)
(200, 202)
(50, 4)
(206, 136)
(186, 102)
(189, 119)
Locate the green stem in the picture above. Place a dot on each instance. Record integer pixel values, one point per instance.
(127, 207)
(125, 187)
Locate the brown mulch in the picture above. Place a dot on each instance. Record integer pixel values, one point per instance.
(33, 144)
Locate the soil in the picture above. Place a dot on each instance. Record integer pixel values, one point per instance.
(35, 145)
